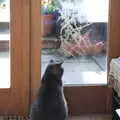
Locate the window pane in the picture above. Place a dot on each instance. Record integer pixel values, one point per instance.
(76, 31)
(4, 43)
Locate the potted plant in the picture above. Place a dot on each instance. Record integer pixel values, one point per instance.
(48, 9)
(74, 35)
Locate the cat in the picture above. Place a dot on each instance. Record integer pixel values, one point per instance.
(50, 103)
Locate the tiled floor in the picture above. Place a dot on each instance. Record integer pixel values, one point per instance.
(87, 70)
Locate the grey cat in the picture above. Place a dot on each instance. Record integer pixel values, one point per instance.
(50, 103)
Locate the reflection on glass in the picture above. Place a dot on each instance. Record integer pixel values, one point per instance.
(76, 31)
(4, 44)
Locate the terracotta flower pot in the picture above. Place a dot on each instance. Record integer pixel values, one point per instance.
(46, 21)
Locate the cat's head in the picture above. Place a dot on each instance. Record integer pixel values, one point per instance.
(55, 68)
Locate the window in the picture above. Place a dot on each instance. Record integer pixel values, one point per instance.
(4, 43)
(76, 31)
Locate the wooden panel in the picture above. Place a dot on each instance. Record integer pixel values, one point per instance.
(109, 101)
(15, 100)
(114, 29)
(114, 42)
(35, 45)
(20, 55)
(25, 56)
(86, 99)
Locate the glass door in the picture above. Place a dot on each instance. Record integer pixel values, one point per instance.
(79, 37)
(76, 31)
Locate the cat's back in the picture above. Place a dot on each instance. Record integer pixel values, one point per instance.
(50, 104)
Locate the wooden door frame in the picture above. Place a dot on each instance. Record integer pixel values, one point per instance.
(15, 100)
(75, 108)
(35, 46)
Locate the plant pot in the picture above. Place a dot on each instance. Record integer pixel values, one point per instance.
(47, 24)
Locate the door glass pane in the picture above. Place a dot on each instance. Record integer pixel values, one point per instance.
(4, 43)
(76, 31)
